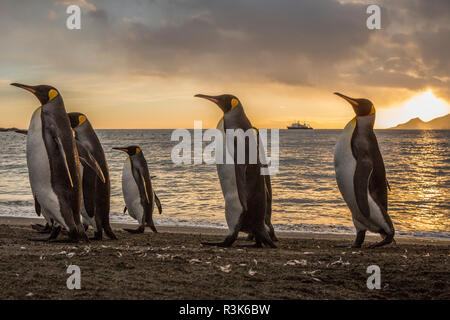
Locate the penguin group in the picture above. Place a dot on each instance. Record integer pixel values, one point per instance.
(70, 181)
(69, 175)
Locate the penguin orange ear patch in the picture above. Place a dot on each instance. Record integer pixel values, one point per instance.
(138, 150)
(81, 119)
(52, 94)
(234, 103)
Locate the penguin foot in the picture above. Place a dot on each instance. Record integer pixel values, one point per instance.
(138, 230)
(380, 244)
(98, 235)
(216, 244)
(109, 233)
(41, 228)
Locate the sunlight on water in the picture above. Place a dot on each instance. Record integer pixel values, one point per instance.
(306, 197)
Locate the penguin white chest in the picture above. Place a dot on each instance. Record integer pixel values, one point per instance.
(131, 193)
(227, 177)
(39, 170)
(345, 166)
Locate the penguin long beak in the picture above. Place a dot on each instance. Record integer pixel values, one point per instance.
(121, 149)
(210, 98)
(23, 86)
(352, 101)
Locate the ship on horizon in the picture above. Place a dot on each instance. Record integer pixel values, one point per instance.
(298, 125)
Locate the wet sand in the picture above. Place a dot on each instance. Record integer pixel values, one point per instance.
(174, 265)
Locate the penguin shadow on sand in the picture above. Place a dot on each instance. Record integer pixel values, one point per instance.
(139, 195)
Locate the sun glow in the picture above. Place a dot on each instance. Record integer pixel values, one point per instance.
(424, 106)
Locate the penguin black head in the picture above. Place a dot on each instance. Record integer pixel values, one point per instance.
(76, 119)
(226, 102)
(43, 92)
(131, 150)
(362, 107)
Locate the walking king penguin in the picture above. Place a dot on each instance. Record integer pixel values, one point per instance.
(361, 176)
(140, 198)
(94, 174)
(53, 163)
(244, 188)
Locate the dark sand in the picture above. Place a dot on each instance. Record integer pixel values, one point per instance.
(173, 265)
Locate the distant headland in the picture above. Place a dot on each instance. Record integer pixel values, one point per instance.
(441, 123)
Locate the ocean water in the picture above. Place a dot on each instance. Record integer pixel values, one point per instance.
(305, 194)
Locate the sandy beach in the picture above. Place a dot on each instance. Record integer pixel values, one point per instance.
(174, 265)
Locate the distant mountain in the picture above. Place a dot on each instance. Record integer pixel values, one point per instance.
(442, 123)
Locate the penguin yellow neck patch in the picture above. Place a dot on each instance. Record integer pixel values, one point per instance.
(138, 150)
(372, 110)
(234, 103)
(52, 94)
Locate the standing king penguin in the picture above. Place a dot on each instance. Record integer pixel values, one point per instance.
(140, 198)
(53, 163)
(247, 193)
(361, 175)
(95, 178)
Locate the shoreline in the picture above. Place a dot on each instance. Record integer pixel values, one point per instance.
(210, 230)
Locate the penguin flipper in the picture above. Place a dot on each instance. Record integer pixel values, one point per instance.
(361, 178)
(158, 203)
(125, 209)
(89, 183)
(88, 160)
(63, 155)
(145, 189)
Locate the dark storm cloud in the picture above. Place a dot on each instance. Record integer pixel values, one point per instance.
(322, 43)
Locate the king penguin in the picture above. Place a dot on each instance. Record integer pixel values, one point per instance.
(140, 198)
(95, 177)
(361, 175)
(53, 163)
(245, 190)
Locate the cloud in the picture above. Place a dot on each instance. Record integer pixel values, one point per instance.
(312, 43)
(83, 4)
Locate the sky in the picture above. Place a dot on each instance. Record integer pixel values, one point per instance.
(138, 64)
